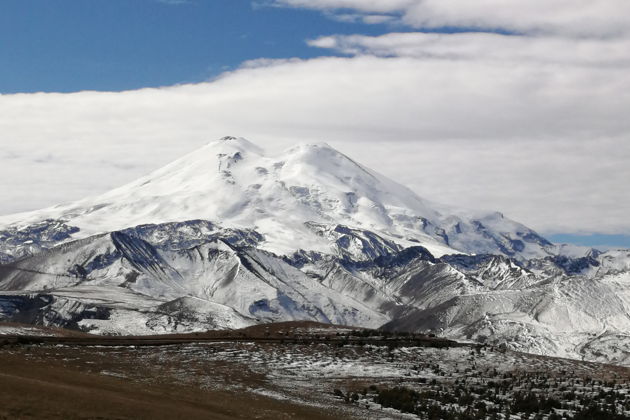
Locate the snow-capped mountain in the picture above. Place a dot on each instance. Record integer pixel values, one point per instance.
(232, 182)
(229, 236)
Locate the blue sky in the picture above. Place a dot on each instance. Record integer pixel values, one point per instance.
(112, 45)
(599, 241)
(519, 111)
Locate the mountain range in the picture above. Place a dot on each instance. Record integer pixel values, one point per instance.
(230, 236)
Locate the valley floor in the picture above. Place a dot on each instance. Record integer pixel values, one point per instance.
(292, 370)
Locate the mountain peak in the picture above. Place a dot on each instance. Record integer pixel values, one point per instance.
(233, 182)
(231, 143)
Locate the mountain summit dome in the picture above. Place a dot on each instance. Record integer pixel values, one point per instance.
(234, 183)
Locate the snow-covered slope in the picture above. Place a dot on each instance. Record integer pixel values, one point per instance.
(234, 183)
(229, 236)
(570, 307)
(569, 317)
(191, 276)
(107, 275)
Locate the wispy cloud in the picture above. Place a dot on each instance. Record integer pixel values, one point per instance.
(596, 18)
(476, 46)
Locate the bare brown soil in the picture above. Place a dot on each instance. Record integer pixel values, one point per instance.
(39, 388)
(39, 382)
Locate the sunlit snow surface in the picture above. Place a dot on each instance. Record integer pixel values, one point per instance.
(234, 183)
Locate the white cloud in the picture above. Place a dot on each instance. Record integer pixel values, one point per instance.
(485, 46)
(546, 142)
(552, 186)
(568, 17)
